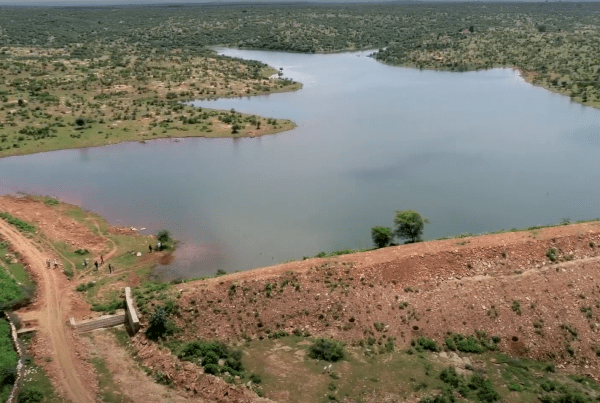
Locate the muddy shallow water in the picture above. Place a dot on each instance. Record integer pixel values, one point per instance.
(473, 152)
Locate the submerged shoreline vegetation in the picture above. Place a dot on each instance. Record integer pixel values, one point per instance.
(120, 74)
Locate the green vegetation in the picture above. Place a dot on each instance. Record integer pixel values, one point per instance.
(21, 225)
(109, 307)
(477, 344)
(159, 325)
(552, 254)
(15, 285)
(326, 350)
(8, 360)
(10, 291)
(398, 376)
(409, 225)
(423, 343)
(36, 383)
(209, 353)
(76, 77)
(83, 287)
(109, 390)
(382, 236)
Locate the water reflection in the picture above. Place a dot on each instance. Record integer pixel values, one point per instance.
(473, 152)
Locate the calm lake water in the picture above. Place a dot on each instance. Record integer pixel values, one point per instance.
(473, 152)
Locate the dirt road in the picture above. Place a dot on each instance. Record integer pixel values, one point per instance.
(52, 316)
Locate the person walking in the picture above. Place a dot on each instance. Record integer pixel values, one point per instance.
(101, 259)
(55, 264)
(48, 263)
(96, 264)
(150, 247)
(109, 268)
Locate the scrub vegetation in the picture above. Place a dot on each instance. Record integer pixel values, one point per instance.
(79, 77)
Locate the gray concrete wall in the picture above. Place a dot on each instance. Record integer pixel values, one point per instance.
(99, 323)
(132, 317)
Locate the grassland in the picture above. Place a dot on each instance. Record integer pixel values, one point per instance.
(52, 102)
(83, 77)
(368, 375)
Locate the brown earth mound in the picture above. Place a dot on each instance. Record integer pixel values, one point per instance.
(503, 284)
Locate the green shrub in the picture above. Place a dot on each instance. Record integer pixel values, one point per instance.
(85, 286)
(423, 343)
(327, 350)
(51, 202)
(450, 377)
(471, 344)
(31, 394)
(210, 358)
(160, 326)
(81, 252)
(516, 307)
(379, 326)
(484, 389)
(552, 254)
(255, 378)
(210, 352)
(389, 345)
(212, 369)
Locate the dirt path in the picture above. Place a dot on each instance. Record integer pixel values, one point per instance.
(52, 317)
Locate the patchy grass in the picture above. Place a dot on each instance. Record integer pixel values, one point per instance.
(288, 374)
(36, 377)
(110, 391)
(21, 225)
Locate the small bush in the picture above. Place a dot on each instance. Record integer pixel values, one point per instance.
(255, 378)
(212, 369)
(423, 343)
(31, 394)
(379, 326)
(552, 254)
(450, 377)
(51, 202)
(327, 350)
(159, 324)
(84, 287)
(82, 252)
(471, 344)
(516, 307)
(484, 389)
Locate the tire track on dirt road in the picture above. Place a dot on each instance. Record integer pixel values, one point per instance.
(52, 316)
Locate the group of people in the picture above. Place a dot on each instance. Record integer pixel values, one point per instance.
(96, 264)
(50, 264)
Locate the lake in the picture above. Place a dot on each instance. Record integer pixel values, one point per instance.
(473, 152)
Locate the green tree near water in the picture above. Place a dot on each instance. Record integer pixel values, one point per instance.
(163, 236)
(382, 236)
(409, 225)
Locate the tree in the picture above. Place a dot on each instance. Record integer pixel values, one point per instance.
(409, 225)
(382, 236)
(159, 324)
(163, 236)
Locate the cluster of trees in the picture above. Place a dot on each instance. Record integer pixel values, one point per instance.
(409, 226)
